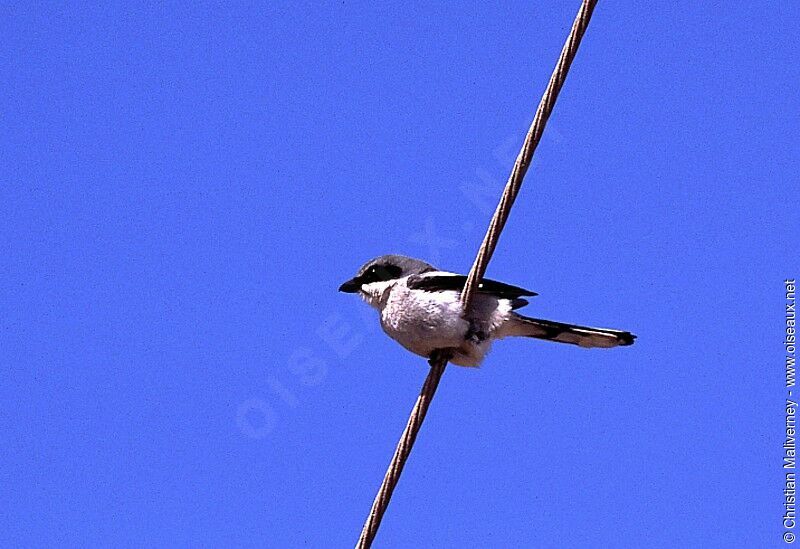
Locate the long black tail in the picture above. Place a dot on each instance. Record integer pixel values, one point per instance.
(583, 336)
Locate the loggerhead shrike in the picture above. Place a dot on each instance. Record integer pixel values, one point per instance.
(420, 309)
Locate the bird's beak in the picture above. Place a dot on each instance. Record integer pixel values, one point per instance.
(350, 287)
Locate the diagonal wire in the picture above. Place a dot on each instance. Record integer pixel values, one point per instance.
(439, 360)
(525, 155)
(402, 451)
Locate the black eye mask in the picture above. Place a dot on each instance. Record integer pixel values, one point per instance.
(379, 273)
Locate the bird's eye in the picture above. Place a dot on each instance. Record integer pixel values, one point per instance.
(380, 273)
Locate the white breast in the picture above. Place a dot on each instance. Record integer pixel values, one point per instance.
(425, 321)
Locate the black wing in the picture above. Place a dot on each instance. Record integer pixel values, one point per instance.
(444, 282)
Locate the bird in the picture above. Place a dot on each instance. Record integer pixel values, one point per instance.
(420, 308)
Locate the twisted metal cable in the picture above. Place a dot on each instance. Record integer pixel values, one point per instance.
(439, 359)
(525, 155)
(437, 362)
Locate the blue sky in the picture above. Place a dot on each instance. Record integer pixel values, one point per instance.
(185, 188)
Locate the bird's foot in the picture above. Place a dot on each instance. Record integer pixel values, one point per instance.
(440, 355)
(475, 334)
